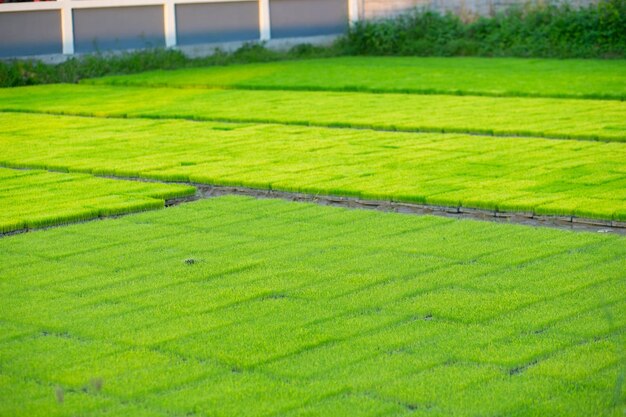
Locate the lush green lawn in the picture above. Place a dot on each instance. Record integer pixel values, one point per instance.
(465, 76)
(33, 198)
(555, 118)
(235, 306)
(585, 179)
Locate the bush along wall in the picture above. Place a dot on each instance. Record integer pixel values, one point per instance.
(15, 73)
(540, 30)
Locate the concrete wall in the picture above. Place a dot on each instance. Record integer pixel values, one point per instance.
(372, 9)
(37, 28)
(118, 28)
(30, 33)
(217, 22)
(291, 18)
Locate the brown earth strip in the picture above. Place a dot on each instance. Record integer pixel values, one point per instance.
(529, 219)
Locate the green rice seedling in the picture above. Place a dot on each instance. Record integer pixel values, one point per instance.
(527, 175)
(34, 199)
(599, 79)
(290, 308)
(501, 116)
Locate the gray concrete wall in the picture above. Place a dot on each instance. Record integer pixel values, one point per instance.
(217, 22)
(118, 28)
(110, 29)
(291, 18)
(373, 9)
(30, 33)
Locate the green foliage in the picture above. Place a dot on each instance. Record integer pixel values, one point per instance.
(558, 177)
(542, 30)
(294, 309)
(32, 199)
(29, 72)
(553, 118)
(15, 73)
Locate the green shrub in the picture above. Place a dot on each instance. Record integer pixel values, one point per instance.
(15, 73)
(548, 30)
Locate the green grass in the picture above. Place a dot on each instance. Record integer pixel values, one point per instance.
(599, 79)
(554, 118)
(585, 179)
(237, 307)
(33, 198)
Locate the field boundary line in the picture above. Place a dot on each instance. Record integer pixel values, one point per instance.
(360, 90)
(531, 219)
(330, 125)
(205, 191)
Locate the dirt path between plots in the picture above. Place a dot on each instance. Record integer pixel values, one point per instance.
(560, 222)
(204, 191)
(530, 219)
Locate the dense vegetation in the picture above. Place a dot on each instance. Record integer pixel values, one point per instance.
(562, 177)
(30, 72)
(243, 307)
(543, 30)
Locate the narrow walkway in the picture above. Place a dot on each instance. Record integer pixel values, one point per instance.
(529, 219)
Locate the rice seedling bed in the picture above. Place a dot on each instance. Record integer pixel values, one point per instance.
(503, 116)
(34, 198)
(510, 77)
(528, 175)
(237, 306)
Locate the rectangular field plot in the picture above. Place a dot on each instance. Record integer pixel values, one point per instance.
(558, 177)
(241, 307)
(34, 198)
(601, 79)
(554, 118)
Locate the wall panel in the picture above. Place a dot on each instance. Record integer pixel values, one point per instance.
(293, 18)
(217, 22)
(118, 28)
(30, 33)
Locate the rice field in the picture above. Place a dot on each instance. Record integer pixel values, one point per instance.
(506, 116)
(33, 198)
(240, 306)
(528, 175)
(235, 306)
(498, 77)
